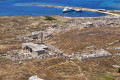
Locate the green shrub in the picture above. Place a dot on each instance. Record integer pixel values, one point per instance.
(119, 70)
(49, 18)
(109, 77)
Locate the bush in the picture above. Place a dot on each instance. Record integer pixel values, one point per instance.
(49, 18)
(109, 77)
(119, 70)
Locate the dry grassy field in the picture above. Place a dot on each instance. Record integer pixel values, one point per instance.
(60, 69)
(78, 40)
(71, 41)
(12, 27)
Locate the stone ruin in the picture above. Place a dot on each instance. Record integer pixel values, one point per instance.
(92, 54)
(34, 49)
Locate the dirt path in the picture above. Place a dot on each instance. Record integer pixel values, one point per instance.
(79, 70)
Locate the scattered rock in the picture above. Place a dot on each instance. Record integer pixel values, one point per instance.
(117, 48)
(116, 66)
(35, 77)
(118, 54)
(90, 46)
(20, 62)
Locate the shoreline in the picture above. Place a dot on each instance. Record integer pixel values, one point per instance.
(109, 12)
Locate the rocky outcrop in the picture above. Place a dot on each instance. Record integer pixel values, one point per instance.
(35, 77)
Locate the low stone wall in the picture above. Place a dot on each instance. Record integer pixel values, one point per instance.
(96, 57)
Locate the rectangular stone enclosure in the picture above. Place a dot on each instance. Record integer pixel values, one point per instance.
(34, 49)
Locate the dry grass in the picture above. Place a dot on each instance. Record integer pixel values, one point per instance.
(70, 41)
(12, 27)
(77, 40)
(60, 70)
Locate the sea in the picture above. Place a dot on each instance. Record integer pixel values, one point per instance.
(25, 8)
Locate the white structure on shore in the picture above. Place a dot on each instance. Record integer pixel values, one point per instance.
(78, 10)
(34, 49)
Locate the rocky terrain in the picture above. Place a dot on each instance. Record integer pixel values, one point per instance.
(71, 35)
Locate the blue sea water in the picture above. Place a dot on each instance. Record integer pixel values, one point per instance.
(18, 8)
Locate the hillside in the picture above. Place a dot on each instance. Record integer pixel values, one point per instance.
(71, 37)
(78, 40)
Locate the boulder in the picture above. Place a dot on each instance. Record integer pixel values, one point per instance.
(35, 77)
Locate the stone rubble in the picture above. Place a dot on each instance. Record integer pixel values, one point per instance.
(116, 66)
(91, 54)
(35, 77)
(117, 48)
(79, 23)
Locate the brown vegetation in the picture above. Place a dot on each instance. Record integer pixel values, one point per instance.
(59, 69)
(12, 27)
(69, 41)
(77, 40)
